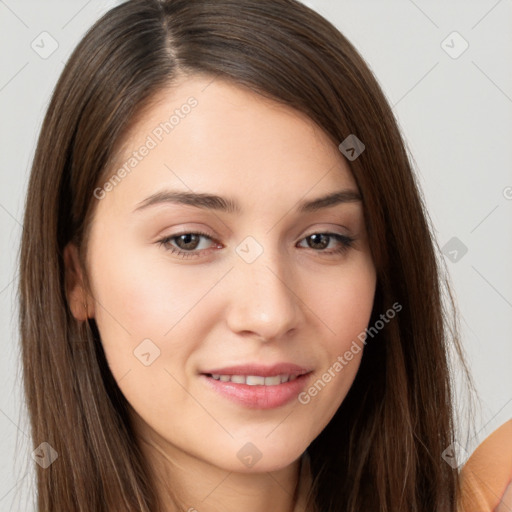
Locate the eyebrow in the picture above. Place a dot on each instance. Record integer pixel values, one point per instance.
(228, 205)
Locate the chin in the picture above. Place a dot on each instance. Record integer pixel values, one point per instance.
(260, 457)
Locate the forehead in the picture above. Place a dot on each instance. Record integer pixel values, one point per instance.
(209, 134)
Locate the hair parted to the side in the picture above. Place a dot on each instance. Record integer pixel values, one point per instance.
(382, 450)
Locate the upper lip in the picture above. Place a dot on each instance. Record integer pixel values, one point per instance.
(260, 370)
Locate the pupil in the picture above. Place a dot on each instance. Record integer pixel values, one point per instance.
(187, 239)
(314, 237)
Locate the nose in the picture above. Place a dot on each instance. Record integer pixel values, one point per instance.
(263, 302)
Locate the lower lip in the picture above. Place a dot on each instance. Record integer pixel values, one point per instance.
(259, 397)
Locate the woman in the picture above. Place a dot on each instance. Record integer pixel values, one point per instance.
(230, 294)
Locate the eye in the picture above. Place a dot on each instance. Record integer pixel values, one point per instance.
(322, 241)
(189, 242)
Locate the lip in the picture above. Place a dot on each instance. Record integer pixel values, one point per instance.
(259, 396)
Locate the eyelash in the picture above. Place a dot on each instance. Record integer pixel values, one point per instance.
(346, 244)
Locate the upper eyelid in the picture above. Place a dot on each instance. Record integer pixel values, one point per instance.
(214, 237)
(328, 226)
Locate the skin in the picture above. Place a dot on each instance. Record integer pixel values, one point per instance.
(506, 500)
(294, 303)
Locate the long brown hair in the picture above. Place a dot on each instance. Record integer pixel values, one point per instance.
(382, 451)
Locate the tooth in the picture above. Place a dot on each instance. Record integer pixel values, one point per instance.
(272, 381)
(253, 380)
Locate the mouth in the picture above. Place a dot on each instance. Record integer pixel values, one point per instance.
(255, 380)
(256, 391)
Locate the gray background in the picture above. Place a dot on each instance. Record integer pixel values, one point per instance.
(455, 110)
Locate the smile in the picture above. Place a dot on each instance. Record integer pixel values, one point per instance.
(255, 380)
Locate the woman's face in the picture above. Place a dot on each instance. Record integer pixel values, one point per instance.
(271, 289)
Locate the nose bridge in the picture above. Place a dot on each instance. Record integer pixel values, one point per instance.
(263, 302)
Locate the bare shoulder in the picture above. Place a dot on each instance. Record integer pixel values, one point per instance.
(486, 478)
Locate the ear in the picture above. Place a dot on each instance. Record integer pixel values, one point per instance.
(82, 307)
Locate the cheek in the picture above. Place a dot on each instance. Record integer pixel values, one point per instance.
(344, 306)
(135, 302)
(146, 332)
(344, 303)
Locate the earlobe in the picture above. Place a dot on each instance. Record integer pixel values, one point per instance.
(79, 304)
